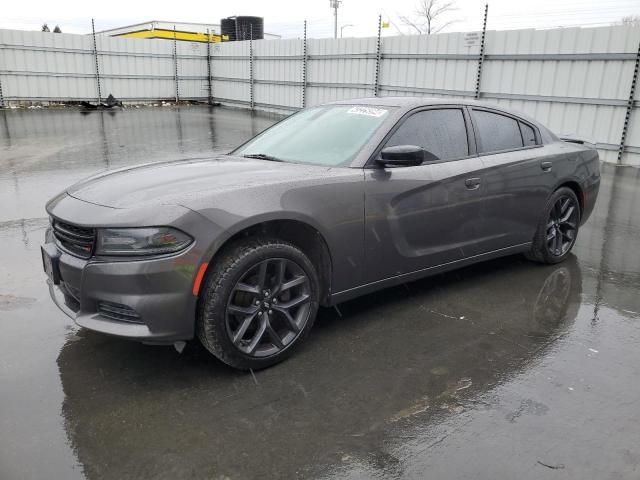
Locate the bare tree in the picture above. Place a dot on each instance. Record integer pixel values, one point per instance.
(428, 16)
(45, 28)
(630, 21)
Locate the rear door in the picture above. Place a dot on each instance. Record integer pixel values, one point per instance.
(423, 216)
(517, 179)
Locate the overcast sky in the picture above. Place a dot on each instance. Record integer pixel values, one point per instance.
(285, 17)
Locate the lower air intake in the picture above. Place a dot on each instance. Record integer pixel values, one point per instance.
(119, 313)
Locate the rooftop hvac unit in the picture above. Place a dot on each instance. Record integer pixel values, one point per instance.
(242, 28)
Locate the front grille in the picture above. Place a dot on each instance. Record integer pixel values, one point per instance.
(78, 241)
(119, 313)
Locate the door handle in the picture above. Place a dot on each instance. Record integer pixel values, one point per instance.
(546, 166)
(472, 183)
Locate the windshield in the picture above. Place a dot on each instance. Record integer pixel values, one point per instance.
(328, 135)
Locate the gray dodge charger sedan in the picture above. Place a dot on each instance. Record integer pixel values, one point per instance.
(333, 202)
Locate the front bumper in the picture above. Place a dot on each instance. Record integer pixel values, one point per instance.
(155, 293)
(158, 291)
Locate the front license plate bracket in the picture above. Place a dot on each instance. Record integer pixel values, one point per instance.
(50, 262)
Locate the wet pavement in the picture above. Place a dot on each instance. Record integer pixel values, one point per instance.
(502, 370)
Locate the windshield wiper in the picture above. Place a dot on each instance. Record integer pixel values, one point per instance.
(263, 156)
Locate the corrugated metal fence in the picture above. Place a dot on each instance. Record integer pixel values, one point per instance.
(575, 80)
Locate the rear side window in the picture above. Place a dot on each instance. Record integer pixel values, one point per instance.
(528, 134)
(497, 132)
(441, 132)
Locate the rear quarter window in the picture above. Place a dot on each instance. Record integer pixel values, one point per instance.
(528, 135)
(496, 132)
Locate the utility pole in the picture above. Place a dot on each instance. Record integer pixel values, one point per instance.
(335, 4)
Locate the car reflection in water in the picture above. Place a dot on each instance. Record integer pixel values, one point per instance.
(402, 358)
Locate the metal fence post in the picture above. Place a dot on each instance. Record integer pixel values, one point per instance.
(630, 102)
(95, 55)
(2, 105)
(209, 86)
(376, 84)
(175, 63)
(251, 66)
(481, 57)
(304, 67)
(1, 95)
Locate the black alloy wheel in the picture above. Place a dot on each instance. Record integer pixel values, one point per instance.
(557, 229)
(258, 302)
(562, 225)
(268, 307)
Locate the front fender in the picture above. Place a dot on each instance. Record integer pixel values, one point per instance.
(333, 206)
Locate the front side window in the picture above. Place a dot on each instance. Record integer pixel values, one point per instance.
(329, 135)
(497, 132)
(441, 132)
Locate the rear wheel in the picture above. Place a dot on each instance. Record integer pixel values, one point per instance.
(558, 228)
(259, 302)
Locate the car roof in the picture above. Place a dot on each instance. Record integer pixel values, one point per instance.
(412, 102)
(397, 101)
(409, 103)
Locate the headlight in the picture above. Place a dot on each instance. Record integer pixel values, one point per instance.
(141, 241)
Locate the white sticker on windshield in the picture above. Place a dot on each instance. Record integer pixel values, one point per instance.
(368, 111)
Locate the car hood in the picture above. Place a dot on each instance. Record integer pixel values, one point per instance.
(177, 182)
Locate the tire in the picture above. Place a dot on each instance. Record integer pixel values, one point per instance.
(557, 230)
(241, 302)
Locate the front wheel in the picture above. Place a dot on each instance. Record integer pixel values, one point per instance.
(558, 228)
(259, 302)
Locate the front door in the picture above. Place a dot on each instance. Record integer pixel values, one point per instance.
(427, 215)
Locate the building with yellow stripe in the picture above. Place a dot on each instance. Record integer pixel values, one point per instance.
(184, 31)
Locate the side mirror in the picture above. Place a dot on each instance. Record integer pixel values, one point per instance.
(404, 156)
